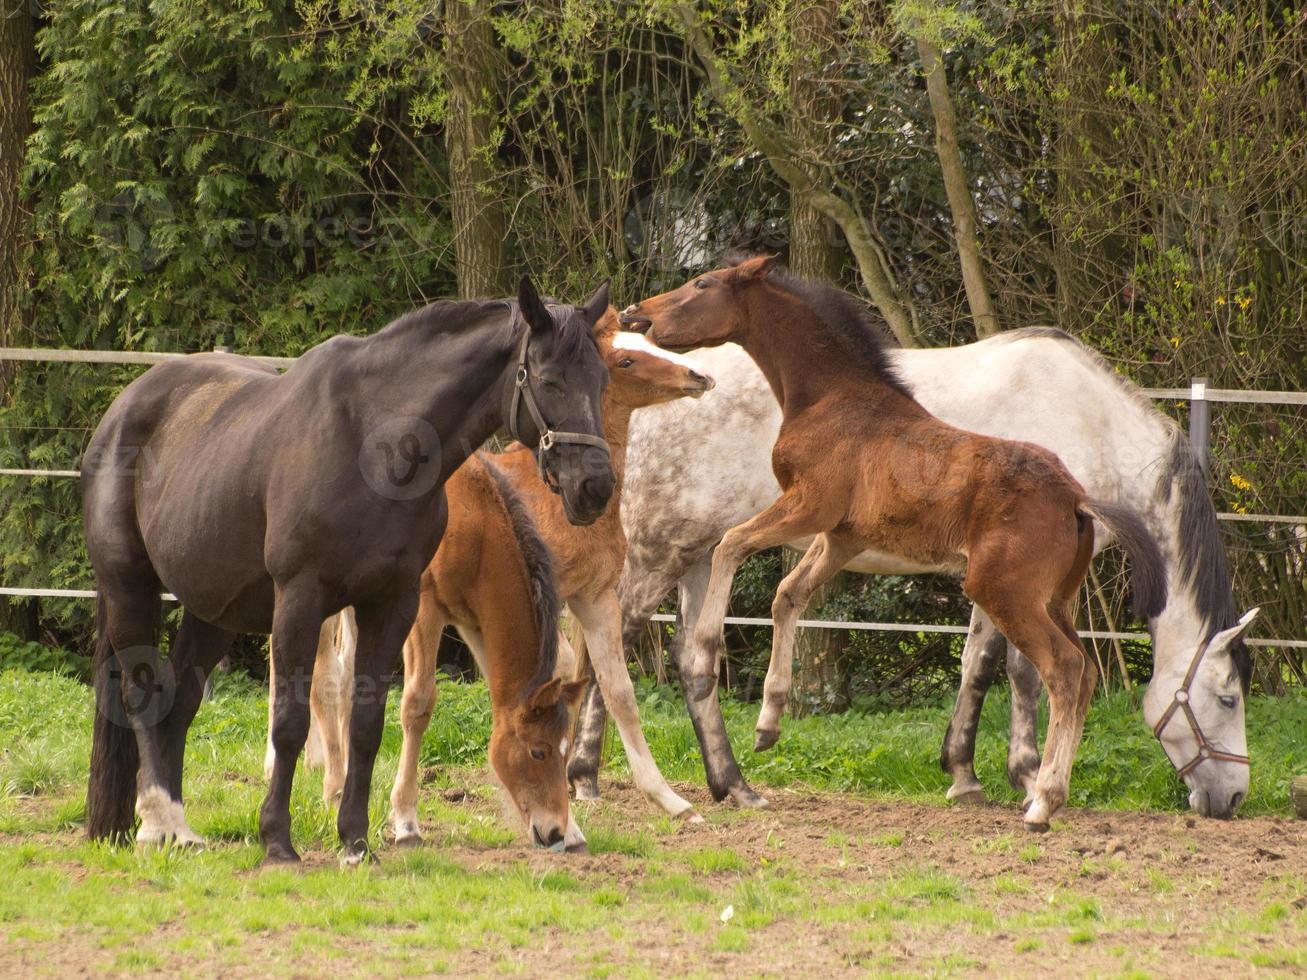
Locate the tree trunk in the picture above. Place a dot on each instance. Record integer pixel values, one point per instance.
(774, 144)
(960, 202)
(814, 253)
(1087, 279)
(474, 75)
(16, 61)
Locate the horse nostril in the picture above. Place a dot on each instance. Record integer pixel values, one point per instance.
(703, 379)
(631, 309)
(555, 837)
(597, 487)
(1235, 801)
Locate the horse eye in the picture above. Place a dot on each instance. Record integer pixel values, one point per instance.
(1228, 701)
(625, 362)
(538, 755)
(701, 284)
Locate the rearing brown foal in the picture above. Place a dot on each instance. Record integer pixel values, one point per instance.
(863, 466)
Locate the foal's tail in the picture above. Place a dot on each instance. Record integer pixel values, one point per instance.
(111, 790)
(1147, 567)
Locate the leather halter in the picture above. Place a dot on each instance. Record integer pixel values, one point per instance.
(548, 437)
(1180, 702)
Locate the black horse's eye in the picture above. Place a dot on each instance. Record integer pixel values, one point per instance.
(701, 284)
(625, 362)
(538, 755)
(1228, 701)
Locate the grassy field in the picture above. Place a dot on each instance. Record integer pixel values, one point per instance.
(880, 877)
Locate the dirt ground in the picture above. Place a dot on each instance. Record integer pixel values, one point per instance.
(1163, 895)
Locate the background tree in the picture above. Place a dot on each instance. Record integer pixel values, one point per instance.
(475, 74)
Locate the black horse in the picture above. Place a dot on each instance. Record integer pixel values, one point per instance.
(267, 502)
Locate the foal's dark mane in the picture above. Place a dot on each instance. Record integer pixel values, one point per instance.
(540, 574)
(851, 323)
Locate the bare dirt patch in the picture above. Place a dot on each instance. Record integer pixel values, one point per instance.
(820, 884)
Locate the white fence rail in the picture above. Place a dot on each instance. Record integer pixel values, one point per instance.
(1198, 394)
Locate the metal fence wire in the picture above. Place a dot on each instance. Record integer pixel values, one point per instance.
(1199, 395)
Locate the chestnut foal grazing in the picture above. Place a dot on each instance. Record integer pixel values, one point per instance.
(862, 466)
(589, 559)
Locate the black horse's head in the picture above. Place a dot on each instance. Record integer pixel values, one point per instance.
(555, 405)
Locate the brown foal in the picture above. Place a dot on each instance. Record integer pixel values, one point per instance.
(588, 560)
(862, 466)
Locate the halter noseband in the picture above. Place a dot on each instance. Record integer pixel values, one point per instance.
(1180, 702)
(548, 437)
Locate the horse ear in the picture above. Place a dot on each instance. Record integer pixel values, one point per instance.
(545, 696)
(1235, 632)
(572, 692)
(533, 308)
(756, 267)
(597, 304)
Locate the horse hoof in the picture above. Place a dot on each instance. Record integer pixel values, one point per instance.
(409, 842)
(688, 815)
(358, 858)
(765, 738)
(967, 796)
(585, 791)
(747, 799)
(1037, 826)
(280, 859)
(700, 687)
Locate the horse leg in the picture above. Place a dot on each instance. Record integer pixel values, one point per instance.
(296, 623)
(587, 743)
(197, 650)
(723, 772)
(313, 749)
(785, 520)
(640, 589)
(1023, 729)
(383, 625)
(826, 556)
(601, 619)
(329, 699)
(146, 692)
(421, 649)
(980, 657)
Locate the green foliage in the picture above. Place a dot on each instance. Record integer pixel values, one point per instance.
(19, 654)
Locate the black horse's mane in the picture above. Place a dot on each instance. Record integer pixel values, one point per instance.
(851, 323)
(455, 315)
(540, 574)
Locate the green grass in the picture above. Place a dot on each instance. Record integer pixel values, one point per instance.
(428, 911)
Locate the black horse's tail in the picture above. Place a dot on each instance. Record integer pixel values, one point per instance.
(111, 789)
(1147, 566)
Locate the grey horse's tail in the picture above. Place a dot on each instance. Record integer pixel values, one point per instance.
(1147, 567)
(111, 789)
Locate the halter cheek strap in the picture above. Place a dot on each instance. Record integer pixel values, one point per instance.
(549, 438)
(1180, 703)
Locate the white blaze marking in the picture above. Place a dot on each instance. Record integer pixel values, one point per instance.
(625, 340)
